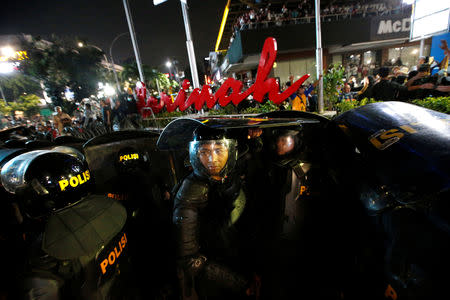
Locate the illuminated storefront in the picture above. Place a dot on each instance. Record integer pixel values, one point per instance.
(361, 45)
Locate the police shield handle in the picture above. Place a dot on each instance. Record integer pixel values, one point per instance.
(75, 181)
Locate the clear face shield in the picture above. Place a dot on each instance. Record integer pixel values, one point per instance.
(285, 145)
(213, 158)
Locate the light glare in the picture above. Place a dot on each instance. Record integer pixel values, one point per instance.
(8, 52)
(7, 67)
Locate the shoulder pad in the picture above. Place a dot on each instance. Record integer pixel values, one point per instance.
(192, 191)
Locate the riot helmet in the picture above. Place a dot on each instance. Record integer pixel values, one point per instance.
(285, 144)
(71, 151)
(212, 154)
(45, 181)
(130, 161)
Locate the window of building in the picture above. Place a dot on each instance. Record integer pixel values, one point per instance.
(336, 59)
(360, 64)
(406, 56)
(296, 68)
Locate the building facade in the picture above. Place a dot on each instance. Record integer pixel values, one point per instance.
(360, 43)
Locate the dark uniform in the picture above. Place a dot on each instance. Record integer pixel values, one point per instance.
(387, 90)
(206, 217)
(294, 216)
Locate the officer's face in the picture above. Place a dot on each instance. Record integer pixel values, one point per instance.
(213, 156)
(285, 144)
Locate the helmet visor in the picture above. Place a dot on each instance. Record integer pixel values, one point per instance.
(212, 158)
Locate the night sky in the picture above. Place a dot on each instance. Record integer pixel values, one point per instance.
(159, 29)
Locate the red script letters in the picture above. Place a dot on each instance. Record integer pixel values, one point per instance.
(230, 91)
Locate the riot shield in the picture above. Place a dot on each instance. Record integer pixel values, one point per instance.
(127, 166)
(394, 159)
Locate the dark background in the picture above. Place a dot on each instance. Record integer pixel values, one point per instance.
(159, 29)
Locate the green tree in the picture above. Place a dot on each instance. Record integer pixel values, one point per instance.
(17, 84)
(331, 80)
(5, 109)
(151, 75)
(29, 104)
(61, 64)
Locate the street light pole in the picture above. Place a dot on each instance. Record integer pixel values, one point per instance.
(112, 60)
(133, 39)
(319, 56)
(189, 44)
(104, 55)
(422, 46)
(175, 64)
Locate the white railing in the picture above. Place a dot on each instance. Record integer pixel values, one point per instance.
(278, 19)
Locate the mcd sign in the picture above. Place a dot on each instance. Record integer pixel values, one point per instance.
(390, 27)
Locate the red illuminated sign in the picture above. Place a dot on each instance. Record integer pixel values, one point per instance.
(229, 92)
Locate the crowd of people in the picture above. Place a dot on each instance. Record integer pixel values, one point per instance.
(86, 121)
(390, 83)
(398, 84)
(303, 12)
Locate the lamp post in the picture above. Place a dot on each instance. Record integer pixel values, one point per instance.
(175, 67)
(169, 67)
(133, 39)
(111, 65)
(319, 56)
(112, 60)
(190, 44)
(81, 45)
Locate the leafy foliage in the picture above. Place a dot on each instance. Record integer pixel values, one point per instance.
(262, 108)
(5, 109)
(350, 104)
(331, 79)
(152, 76)
(230, 109)
(347, 105)
(441, 104)
(17, 84)
(29, 104)
(60, 64)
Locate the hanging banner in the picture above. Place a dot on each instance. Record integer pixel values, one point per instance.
(231, 89)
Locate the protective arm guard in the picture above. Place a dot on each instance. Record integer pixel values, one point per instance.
(189, 200)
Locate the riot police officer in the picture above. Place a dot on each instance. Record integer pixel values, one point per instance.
(74, 241)
(292, 211)
(207, 209)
